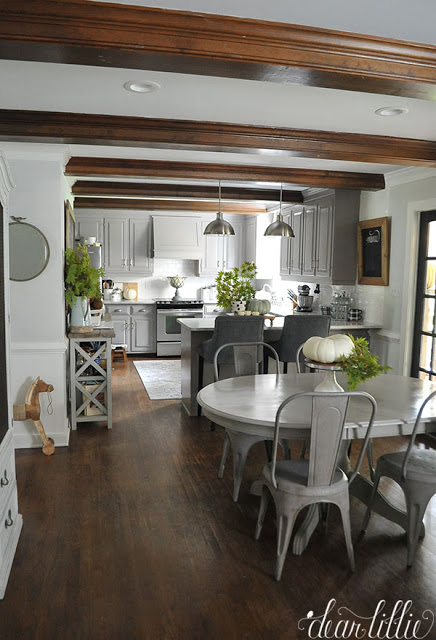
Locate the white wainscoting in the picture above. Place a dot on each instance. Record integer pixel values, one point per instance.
(48, 360)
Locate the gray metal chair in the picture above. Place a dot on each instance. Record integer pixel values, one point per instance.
(297, 328)
(294, 484)
(414, 470)
(247, 357)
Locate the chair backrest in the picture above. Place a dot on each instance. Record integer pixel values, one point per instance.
(231, 329)
(328, 413)
(414, 432)
(246, 357)
(297, 328)
(298, 357)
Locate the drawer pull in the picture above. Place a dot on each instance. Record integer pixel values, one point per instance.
(9, 522)
(4, 481)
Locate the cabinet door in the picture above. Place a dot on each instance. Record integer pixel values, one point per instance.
(89, 227)
(250, 240)
(213, 259)
(309, 240)
(295, 244)
(285, 249)
(144, 331)
(234, 247)
(115, 245)
(324, 238)
(139, 260)
(121, 322)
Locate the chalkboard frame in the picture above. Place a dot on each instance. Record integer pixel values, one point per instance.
(374, 227)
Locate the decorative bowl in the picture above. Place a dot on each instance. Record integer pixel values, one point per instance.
(177, 281)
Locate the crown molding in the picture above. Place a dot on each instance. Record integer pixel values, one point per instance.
(408, 174)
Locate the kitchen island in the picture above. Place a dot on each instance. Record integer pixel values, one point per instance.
(196, 330)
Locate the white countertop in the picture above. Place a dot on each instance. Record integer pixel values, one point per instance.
(204, 324)
(139, 301)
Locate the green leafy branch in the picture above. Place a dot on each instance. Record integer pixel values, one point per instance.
(82, 280)
(361, 364)
(235, 284)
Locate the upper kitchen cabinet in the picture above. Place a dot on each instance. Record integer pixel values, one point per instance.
(126, 240)
(177, 237)
(89, 226)
(127, 245)
(222, 253)
(324, 247)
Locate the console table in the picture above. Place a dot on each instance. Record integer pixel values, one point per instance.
(91, 376)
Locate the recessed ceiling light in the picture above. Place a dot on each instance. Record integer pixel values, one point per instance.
(141, 87)
(391, 111)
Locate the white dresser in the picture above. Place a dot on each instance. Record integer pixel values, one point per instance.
(10, 520)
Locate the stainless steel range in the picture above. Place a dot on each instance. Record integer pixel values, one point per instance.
(168, 330)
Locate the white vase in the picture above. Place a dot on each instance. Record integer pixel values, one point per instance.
(78, 312)
(238, 305)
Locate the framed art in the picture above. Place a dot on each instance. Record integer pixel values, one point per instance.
(373, 249)
(70, 226)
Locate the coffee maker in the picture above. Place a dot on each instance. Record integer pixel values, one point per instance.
(304, 300)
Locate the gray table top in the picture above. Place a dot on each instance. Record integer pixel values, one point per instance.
(204, 324)
(249, 404)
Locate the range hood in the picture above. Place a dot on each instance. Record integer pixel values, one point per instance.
(178, 237)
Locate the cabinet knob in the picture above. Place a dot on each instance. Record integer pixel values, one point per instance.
(9, 522)
(4, 481)
(123, 262)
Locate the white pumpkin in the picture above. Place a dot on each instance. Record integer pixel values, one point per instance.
(328, 349)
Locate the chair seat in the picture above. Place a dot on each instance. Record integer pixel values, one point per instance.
(291, 474)
(421, 465)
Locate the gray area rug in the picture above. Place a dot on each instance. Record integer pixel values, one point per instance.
(161, 378)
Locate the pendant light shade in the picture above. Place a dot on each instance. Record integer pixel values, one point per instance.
(280, 227)
(219, 226)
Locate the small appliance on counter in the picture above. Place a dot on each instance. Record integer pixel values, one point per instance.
(304, 300)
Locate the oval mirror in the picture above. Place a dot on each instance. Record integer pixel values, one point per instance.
(28, 251)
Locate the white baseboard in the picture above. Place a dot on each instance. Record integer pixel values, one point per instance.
(33, 440)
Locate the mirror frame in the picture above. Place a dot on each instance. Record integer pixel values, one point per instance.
(47, 258)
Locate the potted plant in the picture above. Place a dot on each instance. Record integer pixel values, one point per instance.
(82, 282)
(234, 287)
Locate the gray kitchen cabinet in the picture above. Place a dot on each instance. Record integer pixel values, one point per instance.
(89, 227)
(222, 253)
(260, 249)
(324, 247)
(127, 245)
(134, 326)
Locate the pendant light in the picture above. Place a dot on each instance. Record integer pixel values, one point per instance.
(219, 226)
(279, 227)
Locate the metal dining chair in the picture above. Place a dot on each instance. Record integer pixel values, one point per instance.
(414, 470)
(294, 484)
(247, 358)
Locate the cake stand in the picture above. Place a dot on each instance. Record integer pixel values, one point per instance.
(329, 382)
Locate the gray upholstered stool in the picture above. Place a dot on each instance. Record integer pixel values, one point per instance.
(296, 330)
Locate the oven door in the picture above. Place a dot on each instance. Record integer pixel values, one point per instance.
(167, 327)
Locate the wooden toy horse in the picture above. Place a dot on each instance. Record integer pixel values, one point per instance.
(31, 410)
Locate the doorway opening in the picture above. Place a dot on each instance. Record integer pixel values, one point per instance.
(424, 333)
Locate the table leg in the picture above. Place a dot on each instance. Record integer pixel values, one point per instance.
(241, 443)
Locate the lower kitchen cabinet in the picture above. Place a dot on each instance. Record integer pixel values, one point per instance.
(135, 326)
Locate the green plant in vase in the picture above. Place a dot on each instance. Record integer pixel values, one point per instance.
(360, 364)
(82, 282)
(235, 285)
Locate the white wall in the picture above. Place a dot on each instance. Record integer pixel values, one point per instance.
(407, 193)
(39, 346)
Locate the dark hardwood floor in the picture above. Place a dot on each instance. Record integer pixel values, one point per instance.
(129, 534)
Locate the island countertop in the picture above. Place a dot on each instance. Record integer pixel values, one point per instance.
(203, 324)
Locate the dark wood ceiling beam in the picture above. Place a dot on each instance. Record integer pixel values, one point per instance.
(93, 129)
(145, 190)
(167, 205)
(112, 35)
(133, 168)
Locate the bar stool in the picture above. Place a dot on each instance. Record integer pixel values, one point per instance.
(117, 351)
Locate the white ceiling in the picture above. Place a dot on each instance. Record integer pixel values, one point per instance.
(86, 89)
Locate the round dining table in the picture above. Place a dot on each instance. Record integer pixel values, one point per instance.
(248, 405)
